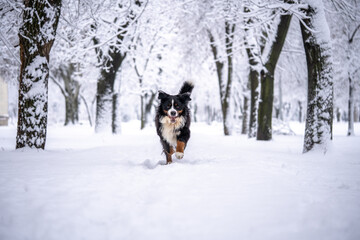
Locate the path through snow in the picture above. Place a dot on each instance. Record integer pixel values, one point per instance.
(87, 186)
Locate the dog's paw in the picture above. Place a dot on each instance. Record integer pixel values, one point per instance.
(179, 155)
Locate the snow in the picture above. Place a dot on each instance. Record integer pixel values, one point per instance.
(90, 186)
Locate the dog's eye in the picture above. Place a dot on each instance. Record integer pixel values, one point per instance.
(169, 106)
(176, 105)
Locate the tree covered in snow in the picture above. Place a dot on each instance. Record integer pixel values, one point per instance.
(317, 44)
(291, 77)
(73, 65)
(111, 57)
(113, 29)
(264, 131)
(344, 21)
(10, 22)
(70, 89)
(36, 35)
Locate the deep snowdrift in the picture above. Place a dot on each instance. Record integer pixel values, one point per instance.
(87, 186)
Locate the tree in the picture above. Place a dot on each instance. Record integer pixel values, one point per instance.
(344, 23)
(245, 110)
(70, 90)
(147, 94)
(253, 79)
(353, 68)
(36, 36)
(264, 131)
(351, 72)
(111, 56)
(9, 25)
(263, 39)
(317, 44)
(225, 81)
(106, 97)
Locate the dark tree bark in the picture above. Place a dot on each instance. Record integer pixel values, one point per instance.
(338, 114)
(351, 109)
(318, 129)
(264, 130)
(229, 38)
(224, 83)
(105, 95)
(300, 111)
(280, 114)
(36, 37)
(70, 90)
(107, 100)
(146, 98)
(254, 91)
(244, 127)
(254, 52)
(147, 101)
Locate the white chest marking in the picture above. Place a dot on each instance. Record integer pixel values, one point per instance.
(170, 131)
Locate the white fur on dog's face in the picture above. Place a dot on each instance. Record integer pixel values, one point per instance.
(172, 113)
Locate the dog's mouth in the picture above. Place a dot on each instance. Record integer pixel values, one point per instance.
(172, 119)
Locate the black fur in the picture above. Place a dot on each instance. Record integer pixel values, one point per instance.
(173, 120)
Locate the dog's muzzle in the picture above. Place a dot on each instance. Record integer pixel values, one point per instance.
(173, 116)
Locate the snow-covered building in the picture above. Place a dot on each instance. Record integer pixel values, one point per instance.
(4, 116)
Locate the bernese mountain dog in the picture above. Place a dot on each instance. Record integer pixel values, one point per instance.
(173, 121)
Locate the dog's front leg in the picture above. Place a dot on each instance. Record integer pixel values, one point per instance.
(168, 150)
(180, 146)
(168, 155)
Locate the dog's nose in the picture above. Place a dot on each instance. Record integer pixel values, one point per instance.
(173, 113)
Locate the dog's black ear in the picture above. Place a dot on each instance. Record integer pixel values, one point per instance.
(185, 97)
(162, 95)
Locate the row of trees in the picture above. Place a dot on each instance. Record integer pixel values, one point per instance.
(241, 42)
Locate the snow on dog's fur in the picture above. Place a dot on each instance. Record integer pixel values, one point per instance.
(173, 121)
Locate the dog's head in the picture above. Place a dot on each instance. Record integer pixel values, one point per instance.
(173, 105)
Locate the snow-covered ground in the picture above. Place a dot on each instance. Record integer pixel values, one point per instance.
(88, 186)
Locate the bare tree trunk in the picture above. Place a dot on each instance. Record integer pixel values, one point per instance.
(229, 38)
(254, 91)
(317, 45)
(105, 94)
(300, 111)
(244, 128)
(351, 109)
(70, 90)
(253, 51)
(245, 112)
(36, 36)
(224, 84)
(219, 69)
(104, 98)
(280, 114)
(264, 131)
(195, 112)
(142, 112)
(106, 108)
(149, 102)
(338, 114)
(87, 109)
(115, 127)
